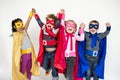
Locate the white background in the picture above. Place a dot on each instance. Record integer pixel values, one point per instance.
(78, 10)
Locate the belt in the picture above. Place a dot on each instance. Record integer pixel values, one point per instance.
(92, 53)
(26, 51)
(52, 42)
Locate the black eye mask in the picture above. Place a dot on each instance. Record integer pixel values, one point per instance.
(95, 26)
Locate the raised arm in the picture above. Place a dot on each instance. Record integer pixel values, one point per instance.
(28, 20)
(81, 35)
(60, 17)
(40, 23)
(104, 34)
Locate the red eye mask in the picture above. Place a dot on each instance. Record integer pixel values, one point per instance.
(52, 22)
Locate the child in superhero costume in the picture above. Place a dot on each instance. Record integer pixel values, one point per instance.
(70, 51)
(92, 52)
(24, 62)
(49, 43)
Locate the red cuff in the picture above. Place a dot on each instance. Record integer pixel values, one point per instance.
(36, 16)
(61, 16)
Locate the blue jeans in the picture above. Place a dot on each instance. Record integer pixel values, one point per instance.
(48, 63)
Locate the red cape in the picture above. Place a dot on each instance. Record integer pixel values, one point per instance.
(41, 48)
(59, 59)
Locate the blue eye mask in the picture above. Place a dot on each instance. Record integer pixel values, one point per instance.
(95, 26)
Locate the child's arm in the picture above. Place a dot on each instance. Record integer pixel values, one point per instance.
(28, 20)
(40, 23)
(81, 32)
(61, 18)
(102, 35)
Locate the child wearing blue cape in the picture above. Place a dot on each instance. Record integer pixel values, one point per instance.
(92, 52)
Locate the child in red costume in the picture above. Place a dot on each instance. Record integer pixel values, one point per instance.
(48, 43)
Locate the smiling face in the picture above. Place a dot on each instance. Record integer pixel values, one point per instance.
(70, 26)
(93, 26)
(93, 30)
(70, 30)
(50, 21)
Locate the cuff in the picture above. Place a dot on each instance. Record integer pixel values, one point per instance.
(61, 16)
(36, 16)
(108, 28)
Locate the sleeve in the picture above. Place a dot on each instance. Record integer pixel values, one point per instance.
(104, 34)
(40, 23)
(59, 20)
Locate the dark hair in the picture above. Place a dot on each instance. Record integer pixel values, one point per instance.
(94, 21)
(13, 24)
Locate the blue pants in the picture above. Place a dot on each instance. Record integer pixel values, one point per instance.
(48, 63)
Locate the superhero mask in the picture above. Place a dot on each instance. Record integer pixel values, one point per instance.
(70, 24)
(95, 26)
(52, 22)
(19, 24)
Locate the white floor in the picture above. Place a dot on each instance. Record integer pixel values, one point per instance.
(5, 75)
(44, 77)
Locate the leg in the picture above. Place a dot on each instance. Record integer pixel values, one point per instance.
(54, 70)
(45, 64)
(29, 65)
(70, 67)
(89, 71)
(88, 74)
(95, 77)
(24, 59)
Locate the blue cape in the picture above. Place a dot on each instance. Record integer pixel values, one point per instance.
(83, 64)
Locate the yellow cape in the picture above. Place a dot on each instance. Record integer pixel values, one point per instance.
(16, 74)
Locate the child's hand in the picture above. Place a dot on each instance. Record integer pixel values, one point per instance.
(82, 25)
(33, 10)
(107, 24)
(62, 11)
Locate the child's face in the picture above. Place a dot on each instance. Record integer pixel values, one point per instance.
(19, 26)
(70, 27)
(70, 30)
(93, 28)
(50, 23)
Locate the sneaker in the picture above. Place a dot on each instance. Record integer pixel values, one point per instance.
(47, 73)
